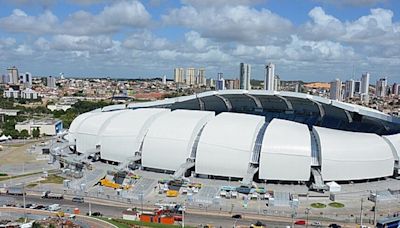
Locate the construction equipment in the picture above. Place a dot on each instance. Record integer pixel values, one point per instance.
(172, 193)
(110, 184)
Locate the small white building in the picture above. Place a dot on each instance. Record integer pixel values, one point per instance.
(45, 126)
(29, 94)
(58, 107)
(11, 93)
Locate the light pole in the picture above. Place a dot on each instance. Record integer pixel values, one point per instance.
(361, 213)
(307, 212)
(375, 206)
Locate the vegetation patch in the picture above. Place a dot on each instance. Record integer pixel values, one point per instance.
(31, 185)
(336, 205)
(53, 179)
(17, 176)
(127, 223)
(318, 205)
(3, 174)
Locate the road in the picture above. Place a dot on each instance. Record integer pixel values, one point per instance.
(84, 220)
(193, 219)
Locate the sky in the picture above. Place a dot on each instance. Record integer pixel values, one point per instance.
(309, 40)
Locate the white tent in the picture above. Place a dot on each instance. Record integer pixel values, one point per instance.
(3, 138)
(334, 187)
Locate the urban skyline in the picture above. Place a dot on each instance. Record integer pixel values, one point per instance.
(131, 39)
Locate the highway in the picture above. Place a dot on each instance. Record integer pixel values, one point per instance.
(111, 210)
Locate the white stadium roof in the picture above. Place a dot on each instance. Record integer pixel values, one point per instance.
(226, 144)
(169, 141)
(353, 156)
(286, 152)
(124, 133)
(89, 130)
(394, 142)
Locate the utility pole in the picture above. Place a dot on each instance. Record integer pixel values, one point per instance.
(375, 204)
(307, 212)
(361, 213)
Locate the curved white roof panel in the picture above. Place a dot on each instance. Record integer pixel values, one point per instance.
(87, 136)
(170, 139)
(286, 152)
(123, 135)
(394, 143)
(72, 131)
(353, 156)
(226, 144)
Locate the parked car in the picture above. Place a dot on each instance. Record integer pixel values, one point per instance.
(334, 225)
(316, 223)
(96, 214)
(300, 222)
(78, 199)
(237, 216)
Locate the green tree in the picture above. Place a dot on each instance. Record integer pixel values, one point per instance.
(36, 132)
(36, 225)
(24, 134)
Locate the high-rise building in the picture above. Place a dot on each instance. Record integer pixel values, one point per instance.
(269, 79)
(381, 87)
(232, 84)
(220, 83)
(179, 75)
(13, 75)
(349, 88)
(357, 87)
(51, 82)
(365, 87)
(336, 90)
(277, 83)
(201, 77)
(164, 79)
(395, 89)
(26, 79)
(190, 76)
(245, 76)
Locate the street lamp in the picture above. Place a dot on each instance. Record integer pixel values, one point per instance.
(307, 212)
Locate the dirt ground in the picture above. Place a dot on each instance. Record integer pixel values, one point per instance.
(16, 154)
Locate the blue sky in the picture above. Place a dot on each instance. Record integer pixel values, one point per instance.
(310, 40)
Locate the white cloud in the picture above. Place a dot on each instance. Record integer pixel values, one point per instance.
(19, 21)
(110, 20)
(145, 41)
(231, 23)
(353, 2)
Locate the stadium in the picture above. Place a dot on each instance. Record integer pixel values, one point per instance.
(245, 135)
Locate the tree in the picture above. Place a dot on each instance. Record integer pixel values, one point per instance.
(36, 132)
(24, 134)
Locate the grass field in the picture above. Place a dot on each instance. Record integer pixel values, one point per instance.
(318, 205)
(2, 178)
(336, 205)
(120, 223)
(53, 179)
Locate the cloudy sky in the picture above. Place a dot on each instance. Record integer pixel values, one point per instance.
(311, 40)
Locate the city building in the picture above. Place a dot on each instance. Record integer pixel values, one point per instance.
(336, 90)
(190, 76)
(277, 83)
(269, 80)
(220, 135)
(349, 89)
(164, 80)
(51, 82)
(29, 94)
(13, 75)
(26, 79)
(220, 82)
(201, 77)
(381, 87)
(357, 87)
(365, 87)
(395, 89)
(232, 83)
(179, 75)
(245, 76)
(11, 93)
(48, 127)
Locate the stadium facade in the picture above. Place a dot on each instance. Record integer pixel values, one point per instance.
(271, 136)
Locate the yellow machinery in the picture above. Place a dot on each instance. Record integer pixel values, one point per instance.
(110, 184)
(172, 193)
(60, 214)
